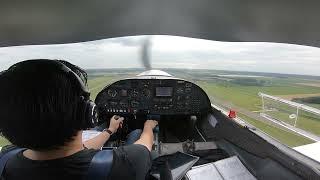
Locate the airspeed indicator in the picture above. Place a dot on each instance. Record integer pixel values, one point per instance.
(112, 93)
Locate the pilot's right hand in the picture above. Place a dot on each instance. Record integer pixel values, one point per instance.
(150, 124)
(115, 123)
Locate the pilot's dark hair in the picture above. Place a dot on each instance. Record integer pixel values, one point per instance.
(38, 105)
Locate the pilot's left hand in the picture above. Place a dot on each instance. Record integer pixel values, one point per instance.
(115, 123)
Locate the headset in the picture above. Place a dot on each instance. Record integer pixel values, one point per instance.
(87, 110)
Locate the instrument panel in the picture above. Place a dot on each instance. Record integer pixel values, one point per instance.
(152, 96)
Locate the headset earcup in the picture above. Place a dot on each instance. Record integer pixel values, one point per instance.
(82, 113)
(91, 114)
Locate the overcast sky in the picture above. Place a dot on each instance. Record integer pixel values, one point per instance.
(176, 52)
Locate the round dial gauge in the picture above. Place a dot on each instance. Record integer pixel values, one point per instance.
(112, 93)
(134, 104)
(134, 93)
(180, 90)
(146, 93)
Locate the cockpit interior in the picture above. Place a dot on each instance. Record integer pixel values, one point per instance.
(187, 123)
(168, 100)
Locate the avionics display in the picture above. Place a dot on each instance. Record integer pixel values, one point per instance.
(164, 91)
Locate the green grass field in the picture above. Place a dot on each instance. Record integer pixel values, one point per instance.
(98, 83)
(247, 96)
(306, 122)
(286, 137)
(314, 105)
(3, 141)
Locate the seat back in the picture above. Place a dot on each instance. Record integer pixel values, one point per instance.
(5, 156)
(100, 165)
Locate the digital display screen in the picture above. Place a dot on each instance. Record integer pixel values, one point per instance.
(164, 91)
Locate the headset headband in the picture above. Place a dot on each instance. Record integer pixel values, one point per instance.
(59, 66)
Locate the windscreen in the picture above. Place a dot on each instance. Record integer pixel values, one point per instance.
(272, 86)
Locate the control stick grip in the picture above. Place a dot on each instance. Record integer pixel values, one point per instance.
(156, 129)
(153, 117)
(156, 118)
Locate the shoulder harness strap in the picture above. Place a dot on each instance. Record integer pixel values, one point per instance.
(100, 165)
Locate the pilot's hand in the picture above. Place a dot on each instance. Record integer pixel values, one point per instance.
(150, 124)
(115, 123)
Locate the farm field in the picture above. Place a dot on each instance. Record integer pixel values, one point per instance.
(314, 105)
(306, 121)
(286, 137)
(292, 96)
(247, 96)
(315, 84)
(96, 84)
(3, 141)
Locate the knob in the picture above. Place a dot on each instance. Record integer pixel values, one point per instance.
(134, 104)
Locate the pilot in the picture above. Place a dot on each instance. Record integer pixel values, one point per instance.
(41, 110)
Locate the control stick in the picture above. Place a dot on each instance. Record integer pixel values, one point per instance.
(193, 120)
(155, 131)
(156, 138)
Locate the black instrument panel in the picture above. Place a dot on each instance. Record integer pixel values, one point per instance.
(152, 96)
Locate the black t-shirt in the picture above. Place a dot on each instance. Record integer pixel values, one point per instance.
(129, 162)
